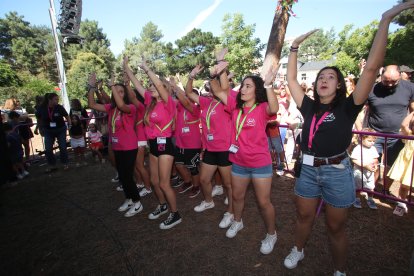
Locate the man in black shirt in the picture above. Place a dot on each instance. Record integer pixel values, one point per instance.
(389, 103)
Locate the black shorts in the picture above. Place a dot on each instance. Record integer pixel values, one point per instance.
(161, 149)
(187, 157)
(217, 158)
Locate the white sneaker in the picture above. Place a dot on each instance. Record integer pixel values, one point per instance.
(291, 261)
(339, 273)
(134, 209)
(115, 179)
(127, 203)
(226, 220)
(204, 205)
(217, 190)
(268, 243)
(25, 173)
(235, 227)
(119, 188)
(144, 192)
(140, 185)
(226, 201)
(19, 176)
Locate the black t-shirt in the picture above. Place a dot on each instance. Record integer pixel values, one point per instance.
(82, 114)
(387, 110)
(76, 130)
(51, 115)
(335, 132)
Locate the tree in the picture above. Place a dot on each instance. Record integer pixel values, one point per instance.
(244, 50)
(400, 47)
(196, 47)
(319, 46)
(78, 74)
(8, 76)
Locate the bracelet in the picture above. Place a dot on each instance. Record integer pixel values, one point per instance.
(267, 86)
(294, 49)
(220, 60)
(212, 77)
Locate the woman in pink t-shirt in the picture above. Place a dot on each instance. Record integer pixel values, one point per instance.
(140, 169)
(216, 123)
(121, 120)
(249, 153)
(159, 120)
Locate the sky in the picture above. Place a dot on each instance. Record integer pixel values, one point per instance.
(124, 19)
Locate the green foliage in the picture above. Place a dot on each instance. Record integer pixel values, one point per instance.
(196, 47)
(400, 47)
(77, 76)
(8, 76)
(320, 46)
(347, 64)
(244, 51)
(406, 17)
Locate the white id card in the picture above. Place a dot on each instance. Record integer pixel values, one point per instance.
(308, 159)
(233, 148)
(210, 137)
(52, 124)
(114, 139)
(161, 140)
(186, 129)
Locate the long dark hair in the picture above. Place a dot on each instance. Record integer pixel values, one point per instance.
(260, 91)
(340, 91)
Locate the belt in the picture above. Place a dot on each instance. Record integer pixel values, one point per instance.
(320, 161)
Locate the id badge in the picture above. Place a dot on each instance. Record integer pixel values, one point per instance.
(186, 129)
(308, 159)
(161, 140)
(210, 137)
(233, 148)
(114, 139)
(52, 124)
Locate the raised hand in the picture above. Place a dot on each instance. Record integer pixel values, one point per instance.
(92, 80)
(218, 68)
(221, 54)
(111, 82)
(126, 79)
(394, 11)
(125, 62)
(301, 38)
(196, 70)
(143, 64)
(271, 75)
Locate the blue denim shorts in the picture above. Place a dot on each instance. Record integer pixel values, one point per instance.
(335, 184)
(246, 172)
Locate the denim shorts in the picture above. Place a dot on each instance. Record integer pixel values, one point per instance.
(246, 172)
(335, 184)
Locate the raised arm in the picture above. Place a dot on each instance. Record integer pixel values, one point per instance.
(224, 80)
(118, 100)
(270, 76)
(377, 53)
(131, 76)
(92, 88)
(189, 87)
(181, 95)
(214, 83)
(155, 80)
(292, 70)
(101, 94)
(131, 94)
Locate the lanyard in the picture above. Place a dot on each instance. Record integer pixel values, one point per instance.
(239, 126)
(50, 113)
(139, 122)
(113, 120)
(165, 127)
(189, 122)
(209, 114)
(314, 128)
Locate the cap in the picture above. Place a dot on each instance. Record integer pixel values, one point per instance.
(405, 68)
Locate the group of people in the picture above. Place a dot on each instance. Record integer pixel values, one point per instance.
(232, 140)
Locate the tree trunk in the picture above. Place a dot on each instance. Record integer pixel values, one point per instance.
(276, 39)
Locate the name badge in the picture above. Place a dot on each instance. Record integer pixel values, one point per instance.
(114, 139)
(161, 140)
(186, 129)
(233, 148)
(210, 137)
(52, 124)
(308, 159)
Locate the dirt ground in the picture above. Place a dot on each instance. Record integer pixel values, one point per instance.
(67, 223)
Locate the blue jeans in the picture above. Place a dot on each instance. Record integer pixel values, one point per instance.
(50, 136)
(334, 183)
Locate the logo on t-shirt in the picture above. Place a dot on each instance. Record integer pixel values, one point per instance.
(251, 122)
(154, 115)
(329, 118)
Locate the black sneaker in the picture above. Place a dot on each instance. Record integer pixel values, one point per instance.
(176, 181)
(160, 210)
(172, 220)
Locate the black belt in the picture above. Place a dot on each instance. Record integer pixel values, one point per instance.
(320, 161)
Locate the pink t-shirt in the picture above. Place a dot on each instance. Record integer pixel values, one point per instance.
(139, 124)
(187, 129)
(217, 138)
(122, 136)
(161, 118)
(252, 141)
(95, 136)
